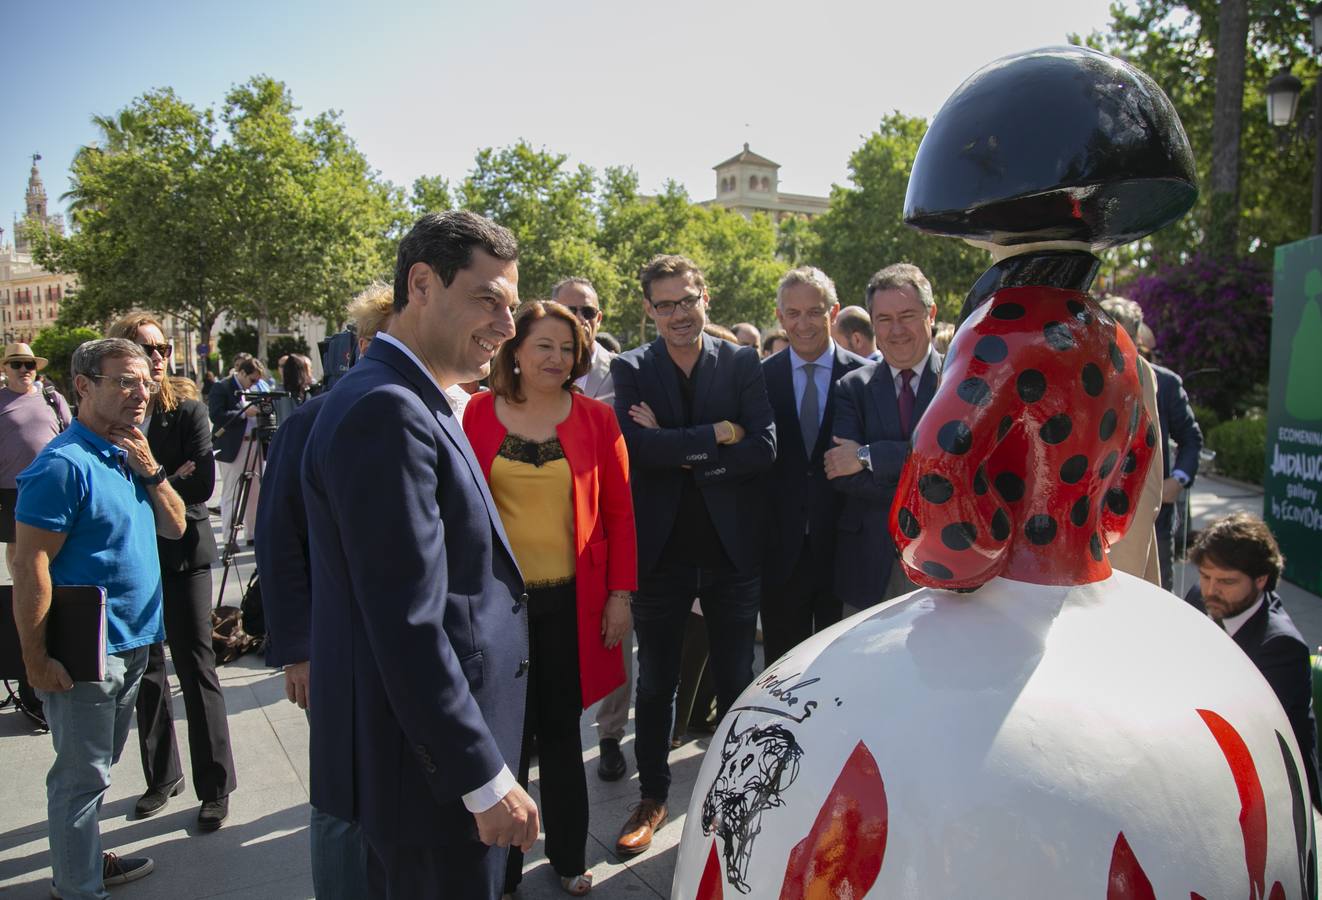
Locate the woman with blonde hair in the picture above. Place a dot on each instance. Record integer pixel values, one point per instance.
(559, 474)
(179, 433)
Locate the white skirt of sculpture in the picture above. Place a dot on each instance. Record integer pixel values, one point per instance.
(1099, 742)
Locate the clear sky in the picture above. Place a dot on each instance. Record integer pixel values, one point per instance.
(670, 88)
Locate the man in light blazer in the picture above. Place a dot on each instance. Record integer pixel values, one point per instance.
(798, 590)
(419, 625)
(875, 414)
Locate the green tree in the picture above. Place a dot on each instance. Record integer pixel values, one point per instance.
(57, 344)
(864, 230)
(431, 193)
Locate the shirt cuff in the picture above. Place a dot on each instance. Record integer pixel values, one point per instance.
(489, 794)
(1180, 476)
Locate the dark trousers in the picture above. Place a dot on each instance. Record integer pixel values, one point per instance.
(187, 612)
(468, 870)
(551, 724)
(660, 610)
(796, 608)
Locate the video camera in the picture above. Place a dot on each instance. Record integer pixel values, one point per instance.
(268, 407)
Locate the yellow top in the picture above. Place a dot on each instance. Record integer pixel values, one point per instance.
(534, 492)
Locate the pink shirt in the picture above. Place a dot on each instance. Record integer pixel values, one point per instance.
(27, 423)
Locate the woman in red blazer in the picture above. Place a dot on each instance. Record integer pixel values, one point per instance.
(559, 474)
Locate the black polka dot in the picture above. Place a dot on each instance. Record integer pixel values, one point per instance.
(1004, 428)
(1108, 464)
(1031, 385)
(1058, 336)
(936, 570)
(908, 524)
(1107, 426)
(955, 437)
(973, 390)
(1057, 428)
(980, 481)
(1007, 311)
(1117, 501)
(1117, 358)
(1079, 311)
(1130, 463)
(1151, 437)
(1079, 511)
(935, 489)
(1073, 469)
(1093, 382)
(1133, 418)
(959, 536)
(1000, 525)
(990, 349)
(1095, 547)
(1010, 486)
(1040, 530)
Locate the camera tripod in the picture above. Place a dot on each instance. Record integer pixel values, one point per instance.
(253, 462)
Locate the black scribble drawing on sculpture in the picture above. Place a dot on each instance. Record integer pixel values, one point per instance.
(758, 765)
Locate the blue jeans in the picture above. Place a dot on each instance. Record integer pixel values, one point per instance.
(660, 609)
(88, 726)
(339, 858)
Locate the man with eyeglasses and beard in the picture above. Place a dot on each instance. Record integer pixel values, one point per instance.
(695, 416)
(90, 508)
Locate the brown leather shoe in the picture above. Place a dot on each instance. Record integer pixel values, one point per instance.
(636, 835)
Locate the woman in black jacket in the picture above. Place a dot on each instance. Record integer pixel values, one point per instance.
(179, 433)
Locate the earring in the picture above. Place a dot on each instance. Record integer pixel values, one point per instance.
(516, 368)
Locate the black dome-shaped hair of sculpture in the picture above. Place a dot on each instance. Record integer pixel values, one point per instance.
(1056, 144)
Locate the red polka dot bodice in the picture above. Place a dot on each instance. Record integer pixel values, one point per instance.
(1031, 455)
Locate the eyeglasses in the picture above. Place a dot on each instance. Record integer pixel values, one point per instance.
(19, 365)
(129, 383)
(163, 349)
(666, 308)
(586, 313)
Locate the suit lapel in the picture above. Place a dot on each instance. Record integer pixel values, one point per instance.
(439, 405)
(926, 385)
(705, 372)
(667, 382)
(779, 373)
(839, 369)
(1250, 633)
(881, 388)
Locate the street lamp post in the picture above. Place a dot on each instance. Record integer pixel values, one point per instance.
(1283, 100)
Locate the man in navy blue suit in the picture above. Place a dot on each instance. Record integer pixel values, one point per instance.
(798, 583)
(1239, 564)
(694, 413)
(419, 626)
(875, 414)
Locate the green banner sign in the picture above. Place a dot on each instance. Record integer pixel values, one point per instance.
(1293, 502)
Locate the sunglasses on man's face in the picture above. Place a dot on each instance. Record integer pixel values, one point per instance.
(163, 349)
(586, 313)
(19, 365)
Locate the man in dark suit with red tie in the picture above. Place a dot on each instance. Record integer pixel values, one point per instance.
(876, 409)
(798, 594)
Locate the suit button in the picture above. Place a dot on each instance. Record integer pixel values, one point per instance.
(420, 749)
(523, 668)
(523, 599)
(429, 769)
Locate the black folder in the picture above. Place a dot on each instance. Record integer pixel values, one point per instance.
(75, 632)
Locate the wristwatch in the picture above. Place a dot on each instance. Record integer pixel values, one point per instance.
(155, 477)
(865, 457)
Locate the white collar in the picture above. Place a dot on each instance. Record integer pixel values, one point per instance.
(798, 362)
(1234, 623)
(917, 370)
(400, 345)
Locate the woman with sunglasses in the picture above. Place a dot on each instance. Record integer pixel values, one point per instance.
(559, 474)
(179, 433)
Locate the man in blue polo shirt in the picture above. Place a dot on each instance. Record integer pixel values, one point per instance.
(89, 509)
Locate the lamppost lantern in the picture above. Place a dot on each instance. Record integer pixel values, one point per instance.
(1283, 94)
(1315, 16)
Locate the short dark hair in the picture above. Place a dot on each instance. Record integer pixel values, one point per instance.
(505, 382)
(771, 337)
(855, 320)
(445, 241)
(251, 366)
(669, 265)
(1243, 542)
(900, 275)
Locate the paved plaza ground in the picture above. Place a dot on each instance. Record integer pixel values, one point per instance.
(262, 851)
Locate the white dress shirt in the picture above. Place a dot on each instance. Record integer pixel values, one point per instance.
(489, 794)
(1234, 623)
